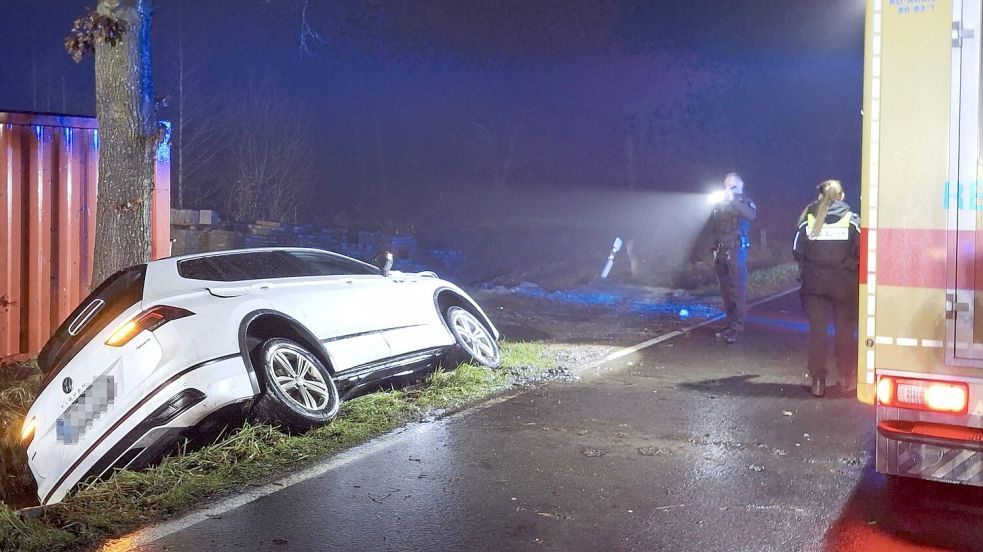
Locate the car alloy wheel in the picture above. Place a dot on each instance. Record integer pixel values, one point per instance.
(473, 337)
(295, 374)
(297, 390)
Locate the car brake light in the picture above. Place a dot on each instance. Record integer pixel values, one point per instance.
(919, 394)
(27, 431)
(149, 320)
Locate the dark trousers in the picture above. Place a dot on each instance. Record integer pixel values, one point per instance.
(730, 264)
(842, 303)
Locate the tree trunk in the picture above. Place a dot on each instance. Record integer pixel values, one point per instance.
(128, 136)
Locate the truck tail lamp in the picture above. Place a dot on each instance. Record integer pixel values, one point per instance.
(919, 394)
(149, 320)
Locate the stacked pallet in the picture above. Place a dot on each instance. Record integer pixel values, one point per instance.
(194, 231)
(198, 231)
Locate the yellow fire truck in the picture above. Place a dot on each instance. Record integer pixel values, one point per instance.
(921, 343)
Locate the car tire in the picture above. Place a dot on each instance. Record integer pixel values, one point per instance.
(474, 343)
(297, 390)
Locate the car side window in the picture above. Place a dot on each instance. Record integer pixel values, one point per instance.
(260, 265)
(331, 265)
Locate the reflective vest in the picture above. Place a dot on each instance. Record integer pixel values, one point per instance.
(834, 247)
(837, 231)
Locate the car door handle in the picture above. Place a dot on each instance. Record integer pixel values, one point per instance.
(236, 291)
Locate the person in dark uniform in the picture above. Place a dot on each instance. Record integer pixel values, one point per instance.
(730, 222)
(826, 248)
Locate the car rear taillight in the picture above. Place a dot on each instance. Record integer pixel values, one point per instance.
(149, 320)
(27, 430)
(935, 396)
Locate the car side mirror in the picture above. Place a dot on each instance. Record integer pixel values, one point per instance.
(384, 262)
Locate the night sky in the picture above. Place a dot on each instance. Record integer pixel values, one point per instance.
(425, 99)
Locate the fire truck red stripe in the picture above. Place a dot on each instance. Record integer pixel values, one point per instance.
(917, 258)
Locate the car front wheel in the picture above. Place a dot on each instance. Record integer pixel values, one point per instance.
(298, 392)
(475, 343)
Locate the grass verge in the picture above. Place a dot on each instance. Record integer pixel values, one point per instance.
(18, 386)
(131, 499)
(771, 280)
(761, 282)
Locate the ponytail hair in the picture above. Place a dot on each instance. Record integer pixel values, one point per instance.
(829, 191)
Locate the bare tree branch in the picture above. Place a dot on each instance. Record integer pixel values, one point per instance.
(307, 32)
(196, 121)
(273, 159)
(501, 136)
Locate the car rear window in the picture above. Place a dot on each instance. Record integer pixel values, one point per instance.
(118, 293)
(259, 265)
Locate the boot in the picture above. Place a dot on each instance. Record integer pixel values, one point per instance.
(818, 388)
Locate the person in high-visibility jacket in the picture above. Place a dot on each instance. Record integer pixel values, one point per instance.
(826, 248)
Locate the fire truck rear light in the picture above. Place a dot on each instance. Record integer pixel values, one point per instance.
(918, 394)
(885, 390)
(947, 397)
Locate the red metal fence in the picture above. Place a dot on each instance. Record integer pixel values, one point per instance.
(48, 176)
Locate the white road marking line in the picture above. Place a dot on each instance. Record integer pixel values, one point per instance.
(882, 340)
(162, 530)
(676, 333)
(906, 341)
(157, 532)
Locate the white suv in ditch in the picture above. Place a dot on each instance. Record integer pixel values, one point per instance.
(176, 348)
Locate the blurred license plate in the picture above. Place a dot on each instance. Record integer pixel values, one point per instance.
(87, 408)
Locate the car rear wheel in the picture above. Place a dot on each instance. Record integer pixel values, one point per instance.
(298, 392)
(475, 343)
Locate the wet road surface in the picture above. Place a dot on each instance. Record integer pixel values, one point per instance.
(688, 445)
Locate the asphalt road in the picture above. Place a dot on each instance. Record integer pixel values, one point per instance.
(688, 445)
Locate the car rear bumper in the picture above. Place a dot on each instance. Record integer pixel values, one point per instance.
(152, 418)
